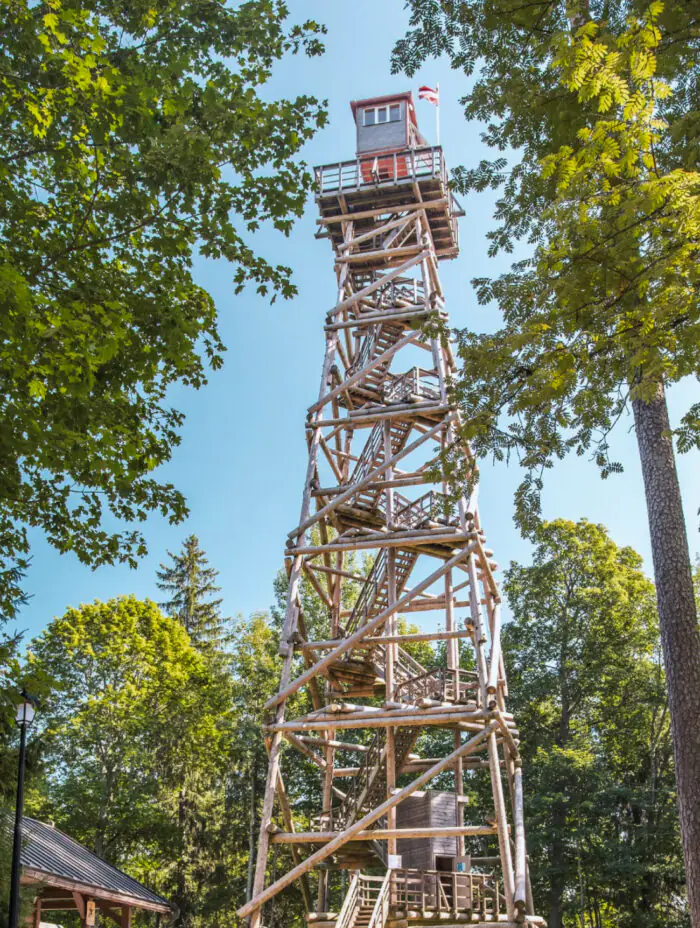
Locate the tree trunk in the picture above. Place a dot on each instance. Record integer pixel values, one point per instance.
(680, 636)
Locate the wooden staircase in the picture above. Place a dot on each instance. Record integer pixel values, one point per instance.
(369, 786)
(378, 339)
(373, 595)
(363, 916)
(365, 676)
(373, 454)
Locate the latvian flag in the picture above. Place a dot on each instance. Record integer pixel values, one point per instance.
(427, 93)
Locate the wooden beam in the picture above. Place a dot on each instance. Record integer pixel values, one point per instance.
(386, 639)
(370, 213)
(385, 318)
(383, 834)
(31, 875)
(365, 256)
(451, 539)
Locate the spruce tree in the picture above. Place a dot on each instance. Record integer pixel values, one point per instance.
(191, 584)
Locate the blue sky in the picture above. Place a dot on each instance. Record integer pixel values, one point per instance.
(242, 458)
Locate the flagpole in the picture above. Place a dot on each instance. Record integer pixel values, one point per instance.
(437, 113)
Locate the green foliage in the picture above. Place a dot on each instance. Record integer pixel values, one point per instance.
(587, 686)
(191, 582)
(132, 136)
(132, 706)
(603, 105)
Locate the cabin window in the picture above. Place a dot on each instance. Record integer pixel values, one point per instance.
(373, 115)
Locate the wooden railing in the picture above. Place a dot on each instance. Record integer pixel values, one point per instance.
(369, 889)
(397, 293)
(380, 913)
(438, 893)
(372, 170)
(441, 684)
(415, 385)
(429, 507)
(346, 916)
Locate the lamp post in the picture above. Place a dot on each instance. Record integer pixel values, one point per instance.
(24, 718)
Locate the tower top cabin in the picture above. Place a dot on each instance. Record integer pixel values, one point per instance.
(386, 124)
(394, 172)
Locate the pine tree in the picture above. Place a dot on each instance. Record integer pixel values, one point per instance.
(191, 583)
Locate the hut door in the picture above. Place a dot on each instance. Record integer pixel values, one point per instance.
(444, 867)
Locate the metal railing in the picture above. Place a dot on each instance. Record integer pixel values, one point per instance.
(371, 170)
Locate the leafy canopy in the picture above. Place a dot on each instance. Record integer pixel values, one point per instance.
(587, 687)
(133, 710)
(132, 136)
(603, 105)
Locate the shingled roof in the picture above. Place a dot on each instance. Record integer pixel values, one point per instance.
(48, 852)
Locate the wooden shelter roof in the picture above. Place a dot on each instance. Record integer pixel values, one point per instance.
(50, 858)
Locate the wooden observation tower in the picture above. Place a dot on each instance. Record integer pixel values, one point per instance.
(379, 537)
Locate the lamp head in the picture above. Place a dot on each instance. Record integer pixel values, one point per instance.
(26, 709)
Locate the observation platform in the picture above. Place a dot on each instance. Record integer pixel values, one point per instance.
(369, 187)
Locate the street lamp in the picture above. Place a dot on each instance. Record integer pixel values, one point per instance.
(24, 718)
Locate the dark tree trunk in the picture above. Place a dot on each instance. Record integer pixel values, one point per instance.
(680, 636)
(558, 873)
(557, 881)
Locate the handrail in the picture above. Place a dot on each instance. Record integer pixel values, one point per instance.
(374, 170)
(440, 683)
(381, 906)
(429, 506)
(347, 912)
(371, 761)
